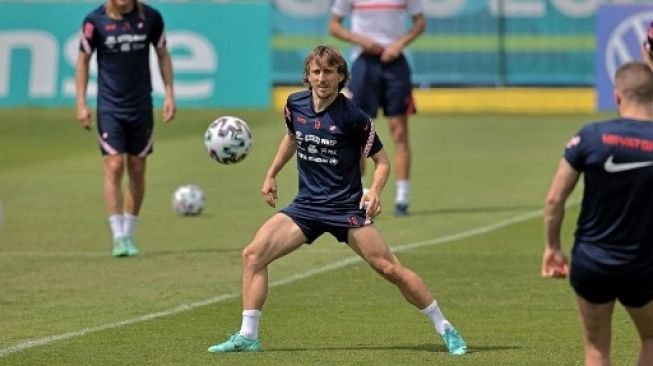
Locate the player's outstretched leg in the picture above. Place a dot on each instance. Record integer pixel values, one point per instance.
(368, 243)
(236, 343)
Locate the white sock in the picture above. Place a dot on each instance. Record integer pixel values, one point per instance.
(249, 327)
(433, 312)
(129, 224)
(116, 223)
(403, 190)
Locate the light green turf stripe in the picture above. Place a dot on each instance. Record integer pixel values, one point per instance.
(459, 43)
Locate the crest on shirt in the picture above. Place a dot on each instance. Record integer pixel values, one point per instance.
(110, 27)
(317, 124)
(353, 220)
(574, 141)
(301, 120)
(333, 128)
(88, 30)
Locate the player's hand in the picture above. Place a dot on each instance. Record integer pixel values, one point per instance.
(554, 264)
(391, 53)
(269, 191)
(84, 117)
(169, 109)
(371, 202)
(371, 48)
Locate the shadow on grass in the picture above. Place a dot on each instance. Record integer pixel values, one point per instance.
(427, 347)
(160, 253)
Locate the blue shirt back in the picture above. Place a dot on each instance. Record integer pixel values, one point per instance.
(616, 158)
(329, 148)
(123, 56)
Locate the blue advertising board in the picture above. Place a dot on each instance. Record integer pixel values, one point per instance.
(621, 31)
(213, 67)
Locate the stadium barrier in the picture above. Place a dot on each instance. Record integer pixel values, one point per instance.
(493, 100)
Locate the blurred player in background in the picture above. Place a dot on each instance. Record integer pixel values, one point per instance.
(612, 256)
(380, 74)
(329, 136)
(121, 32)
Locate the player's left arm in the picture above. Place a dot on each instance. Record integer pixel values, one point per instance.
(379, 179)
(554, 262)
(165, 66)
(394, 50)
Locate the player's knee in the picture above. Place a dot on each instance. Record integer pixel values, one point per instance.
(391, 271)
(136, 170)
(251, 258)
(114, 166)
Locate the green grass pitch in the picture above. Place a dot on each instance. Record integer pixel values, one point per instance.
(475, 236)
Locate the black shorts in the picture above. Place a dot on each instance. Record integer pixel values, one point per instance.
(120, 132)
(599, 283)
(315, 222)
(374, 84)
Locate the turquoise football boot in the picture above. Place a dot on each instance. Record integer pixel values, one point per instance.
(454, 342)
(132, 250)
(237, 343)
(119, 248)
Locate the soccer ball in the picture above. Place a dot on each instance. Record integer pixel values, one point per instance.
(228, 139)
(188, 200)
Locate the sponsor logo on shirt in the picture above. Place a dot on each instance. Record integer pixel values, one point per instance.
(627, 142)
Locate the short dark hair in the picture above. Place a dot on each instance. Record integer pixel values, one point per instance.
(329, 56)
(634, 80)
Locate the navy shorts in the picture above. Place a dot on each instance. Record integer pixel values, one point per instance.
(374, 84)
(130, 133)
(336, 222)
(599, 283)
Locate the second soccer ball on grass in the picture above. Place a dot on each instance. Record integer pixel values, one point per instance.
(188, 200)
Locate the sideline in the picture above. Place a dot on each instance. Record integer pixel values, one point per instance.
(25, 345)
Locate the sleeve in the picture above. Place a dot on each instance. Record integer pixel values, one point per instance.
(414, 7)
(288, 119)
(368, 137)
(157, 33)
(575, 150)
(89, 37)
(341, 8)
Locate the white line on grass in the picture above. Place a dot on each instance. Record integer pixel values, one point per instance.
(25, 345)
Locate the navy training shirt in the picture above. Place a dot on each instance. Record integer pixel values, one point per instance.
(329, 148)
(616, 216)
(123, 56)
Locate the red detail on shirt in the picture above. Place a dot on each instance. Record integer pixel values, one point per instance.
(378, 6)
(88, 30)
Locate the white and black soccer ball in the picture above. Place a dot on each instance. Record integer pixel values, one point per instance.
(228, 139)
(188, 200)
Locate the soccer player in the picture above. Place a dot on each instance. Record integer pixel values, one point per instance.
(612, 257)
(329, 135)
(380, 74)
(121, 32)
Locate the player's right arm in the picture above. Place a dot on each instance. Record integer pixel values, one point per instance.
(554, 262)
(285, 152)
(81, 83)
(87, 44)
